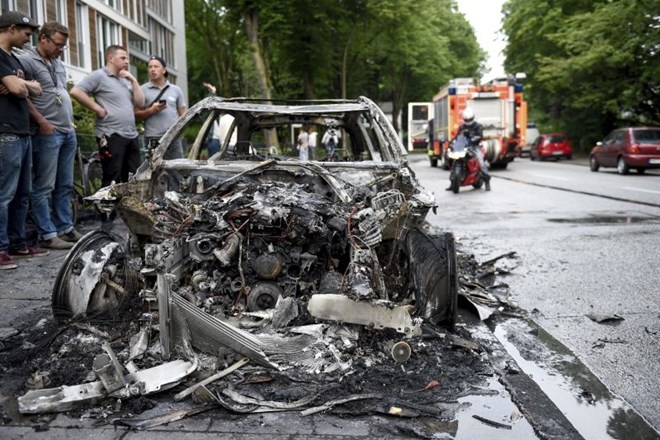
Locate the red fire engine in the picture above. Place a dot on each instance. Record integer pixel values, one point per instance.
(498, 106)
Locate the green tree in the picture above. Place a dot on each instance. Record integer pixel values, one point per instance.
(591, 65)
(215, 43)
(386, 49)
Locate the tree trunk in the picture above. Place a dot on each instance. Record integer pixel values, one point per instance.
(399, 91)
(344, 67)
(251, 17)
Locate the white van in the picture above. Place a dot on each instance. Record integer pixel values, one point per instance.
(532, 134)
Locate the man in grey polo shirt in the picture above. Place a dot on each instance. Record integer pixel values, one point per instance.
(116, 92)
(54, 142)
(164, 103)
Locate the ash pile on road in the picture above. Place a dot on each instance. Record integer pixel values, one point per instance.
(442, 367)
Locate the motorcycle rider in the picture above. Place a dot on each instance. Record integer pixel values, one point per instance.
(471, 129)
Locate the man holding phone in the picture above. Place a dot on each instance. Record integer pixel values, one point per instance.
(163, 104)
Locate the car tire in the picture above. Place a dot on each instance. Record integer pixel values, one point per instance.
(593, 164)
(455, 178)
(622, 167)
(434, 269)
(80, 289)
(444, 163)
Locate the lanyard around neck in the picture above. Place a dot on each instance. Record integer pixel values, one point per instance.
(50, 67)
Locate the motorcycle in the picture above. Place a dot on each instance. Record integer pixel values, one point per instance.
(464, 165)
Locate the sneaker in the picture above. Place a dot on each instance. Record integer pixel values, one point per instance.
(55, 243)
(72, 236)
(6, 261)
(29, 252)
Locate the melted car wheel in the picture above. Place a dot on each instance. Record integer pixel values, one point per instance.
(433, 271)
(93, 278)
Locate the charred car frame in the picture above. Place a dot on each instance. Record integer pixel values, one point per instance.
(255, 252)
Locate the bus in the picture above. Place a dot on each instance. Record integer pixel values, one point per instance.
(419, 114)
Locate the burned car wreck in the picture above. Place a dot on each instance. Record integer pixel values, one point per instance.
(252, 255)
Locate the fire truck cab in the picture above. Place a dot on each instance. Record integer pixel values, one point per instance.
(499, 108)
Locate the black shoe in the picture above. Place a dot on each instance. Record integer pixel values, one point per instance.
(72, 236)
(448, 188)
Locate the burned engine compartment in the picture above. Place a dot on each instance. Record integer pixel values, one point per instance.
(271, 241)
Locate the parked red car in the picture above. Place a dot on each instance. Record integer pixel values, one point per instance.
(626, 148)
(552, 145)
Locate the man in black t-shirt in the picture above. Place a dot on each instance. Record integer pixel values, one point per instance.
(15, 144)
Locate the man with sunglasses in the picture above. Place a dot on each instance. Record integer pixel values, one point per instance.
(54, 140)
(15, 143)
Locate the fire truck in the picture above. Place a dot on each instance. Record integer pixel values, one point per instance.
(499, 107)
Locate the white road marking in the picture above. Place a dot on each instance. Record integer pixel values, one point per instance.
(641, 190)
(547, 176)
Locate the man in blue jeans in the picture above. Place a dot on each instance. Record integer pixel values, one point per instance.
(54, 144)
(15, 144)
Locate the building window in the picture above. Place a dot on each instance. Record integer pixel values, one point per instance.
(8, 5)
(82, 36)
(141, 13)
(138, 43)
(61, 12)
(163, 8)
(114, 4)
(108, 33)
(162, 42)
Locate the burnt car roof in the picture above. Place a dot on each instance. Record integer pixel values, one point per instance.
(253, 114)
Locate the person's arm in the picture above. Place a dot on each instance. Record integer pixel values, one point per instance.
(144, 113)
(45, 127)
(181, 110)
(20, 87)
(138, 95)
(210, 88)
(34, 88)
(15, 86)
(87, 102)
(479, 131)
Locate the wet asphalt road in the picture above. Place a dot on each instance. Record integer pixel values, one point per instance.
(559, 235)
(582, 249)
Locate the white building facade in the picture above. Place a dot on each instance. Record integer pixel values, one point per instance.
(144, 27)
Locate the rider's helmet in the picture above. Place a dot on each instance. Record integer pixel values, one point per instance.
(468, 116)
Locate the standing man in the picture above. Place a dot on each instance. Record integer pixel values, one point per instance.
(164, 103)
(313, 136)
(54, 144)
(116, 93)
(330, 141)
(303, 144)
(15, 143)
